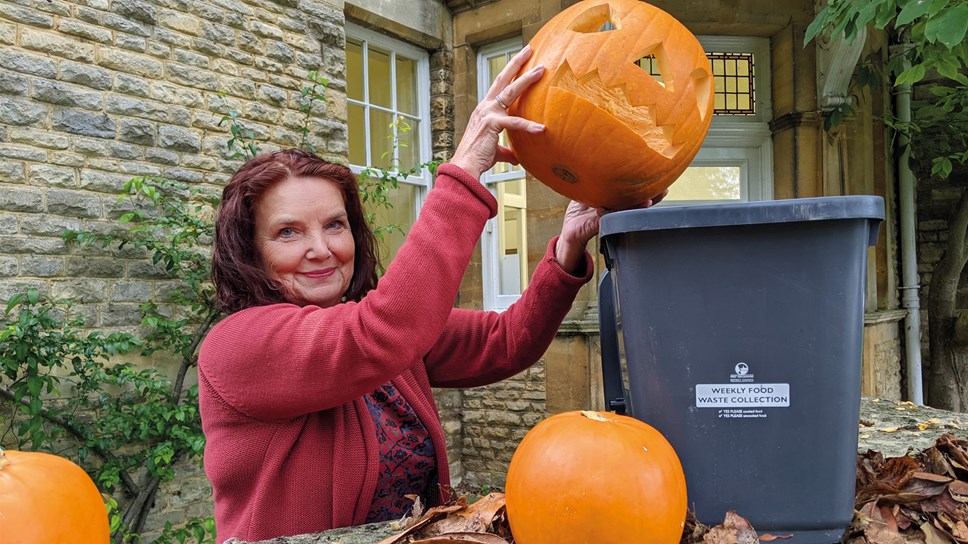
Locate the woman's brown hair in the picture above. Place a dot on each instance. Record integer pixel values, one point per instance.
(240, 281)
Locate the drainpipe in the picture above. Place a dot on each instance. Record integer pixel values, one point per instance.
(909, 260)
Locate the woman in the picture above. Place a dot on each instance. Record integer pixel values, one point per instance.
(315, 391)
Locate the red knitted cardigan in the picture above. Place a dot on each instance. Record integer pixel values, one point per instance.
(291, 448)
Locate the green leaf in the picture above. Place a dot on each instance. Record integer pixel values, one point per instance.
(949, 27)
(912, 10)
(911, 76)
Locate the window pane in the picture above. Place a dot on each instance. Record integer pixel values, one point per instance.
(400, 216)
(356, 127)
(406, 85)
(733, 75)
(378, 71)
(707, 183)
(381, 150)
(408, 142)
(354, 70)
(512, 252)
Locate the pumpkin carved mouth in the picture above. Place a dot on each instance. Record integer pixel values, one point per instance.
(614, 100)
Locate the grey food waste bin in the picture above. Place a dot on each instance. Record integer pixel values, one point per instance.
(741, 330)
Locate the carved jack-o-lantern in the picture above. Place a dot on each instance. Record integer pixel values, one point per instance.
(615, 135)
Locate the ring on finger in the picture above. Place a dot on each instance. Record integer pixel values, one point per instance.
(500, 102)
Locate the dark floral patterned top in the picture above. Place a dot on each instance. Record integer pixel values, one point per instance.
(408, 462)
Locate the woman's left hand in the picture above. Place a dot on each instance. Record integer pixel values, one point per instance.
(580, 225)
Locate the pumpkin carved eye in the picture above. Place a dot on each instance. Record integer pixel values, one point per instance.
(616, 135)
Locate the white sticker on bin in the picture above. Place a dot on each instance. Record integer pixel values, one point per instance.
(734, 395)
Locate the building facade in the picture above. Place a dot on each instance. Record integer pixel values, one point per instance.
(94, 92)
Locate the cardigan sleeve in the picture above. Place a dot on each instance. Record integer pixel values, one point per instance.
(478, 348)
(281, 361)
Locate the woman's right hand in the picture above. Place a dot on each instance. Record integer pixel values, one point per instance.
(479, 149)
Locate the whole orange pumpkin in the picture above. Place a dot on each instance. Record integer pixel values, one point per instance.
(615, 135)
(595, 477)
(48, 499)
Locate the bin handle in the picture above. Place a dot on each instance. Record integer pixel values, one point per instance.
(611, 362)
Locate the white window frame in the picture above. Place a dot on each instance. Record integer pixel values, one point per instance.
(736, 140)
(490, 238)
(423, 180)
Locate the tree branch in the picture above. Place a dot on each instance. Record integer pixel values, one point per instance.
(129, 485)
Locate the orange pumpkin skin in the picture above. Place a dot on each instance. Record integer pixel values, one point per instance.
(595, 477)
(48, 499)
(614, 136)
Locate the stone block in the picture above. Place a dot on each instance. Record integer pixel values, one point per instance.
(179, 139)
(133, 107)
(161, 156)
(126, 24)
(87, 75)
(42, 266)
(95, 268)
(10, 288)
(159, 50)
(180, 22)
(239, 57)
(63, 94)
(125, 151)
(48, 175)
(53, 7)
(84, 123)
(173, 94)
(84, 291)
(250, 43)
(8, 224)
(20, 199)
(207, 48)
(56, 44)
(131, 85)
(26, 16)
(22, 153)
(131, 63)
(10, 267)
(88, 14)
(48, 225)
(207, 11)
(14, 84)
(73, 203)
(14, 245)
(120, 315)
(130, 291)
(137, 131)
(137, 10)
(77, 28)
(19, 61)
(192, 77)
(104, 182)
(38, 138)
(279, 51)
(21, 112)
(12, 172)
(217, 33)
(8, 33)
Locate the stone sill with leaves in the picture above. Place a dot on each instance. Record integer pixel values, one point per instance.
(912, 487)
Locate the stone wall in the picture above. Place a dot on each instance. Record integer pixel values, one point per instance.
(95, 92)
(99, 91)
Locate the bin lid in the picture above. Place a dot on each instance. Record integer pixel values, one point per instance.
(744, 213)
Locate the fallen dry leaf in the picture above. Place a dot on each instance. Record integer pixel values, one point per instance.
(478, 538)
(735, 529)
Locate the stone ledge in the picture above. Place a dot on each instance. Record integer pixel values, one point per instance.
(890, 427)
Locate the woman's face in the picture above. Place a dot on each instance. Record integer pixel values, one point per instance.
(303, 235)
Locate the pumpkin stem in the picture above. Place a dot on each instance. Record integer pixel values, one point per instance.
(593, 415)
